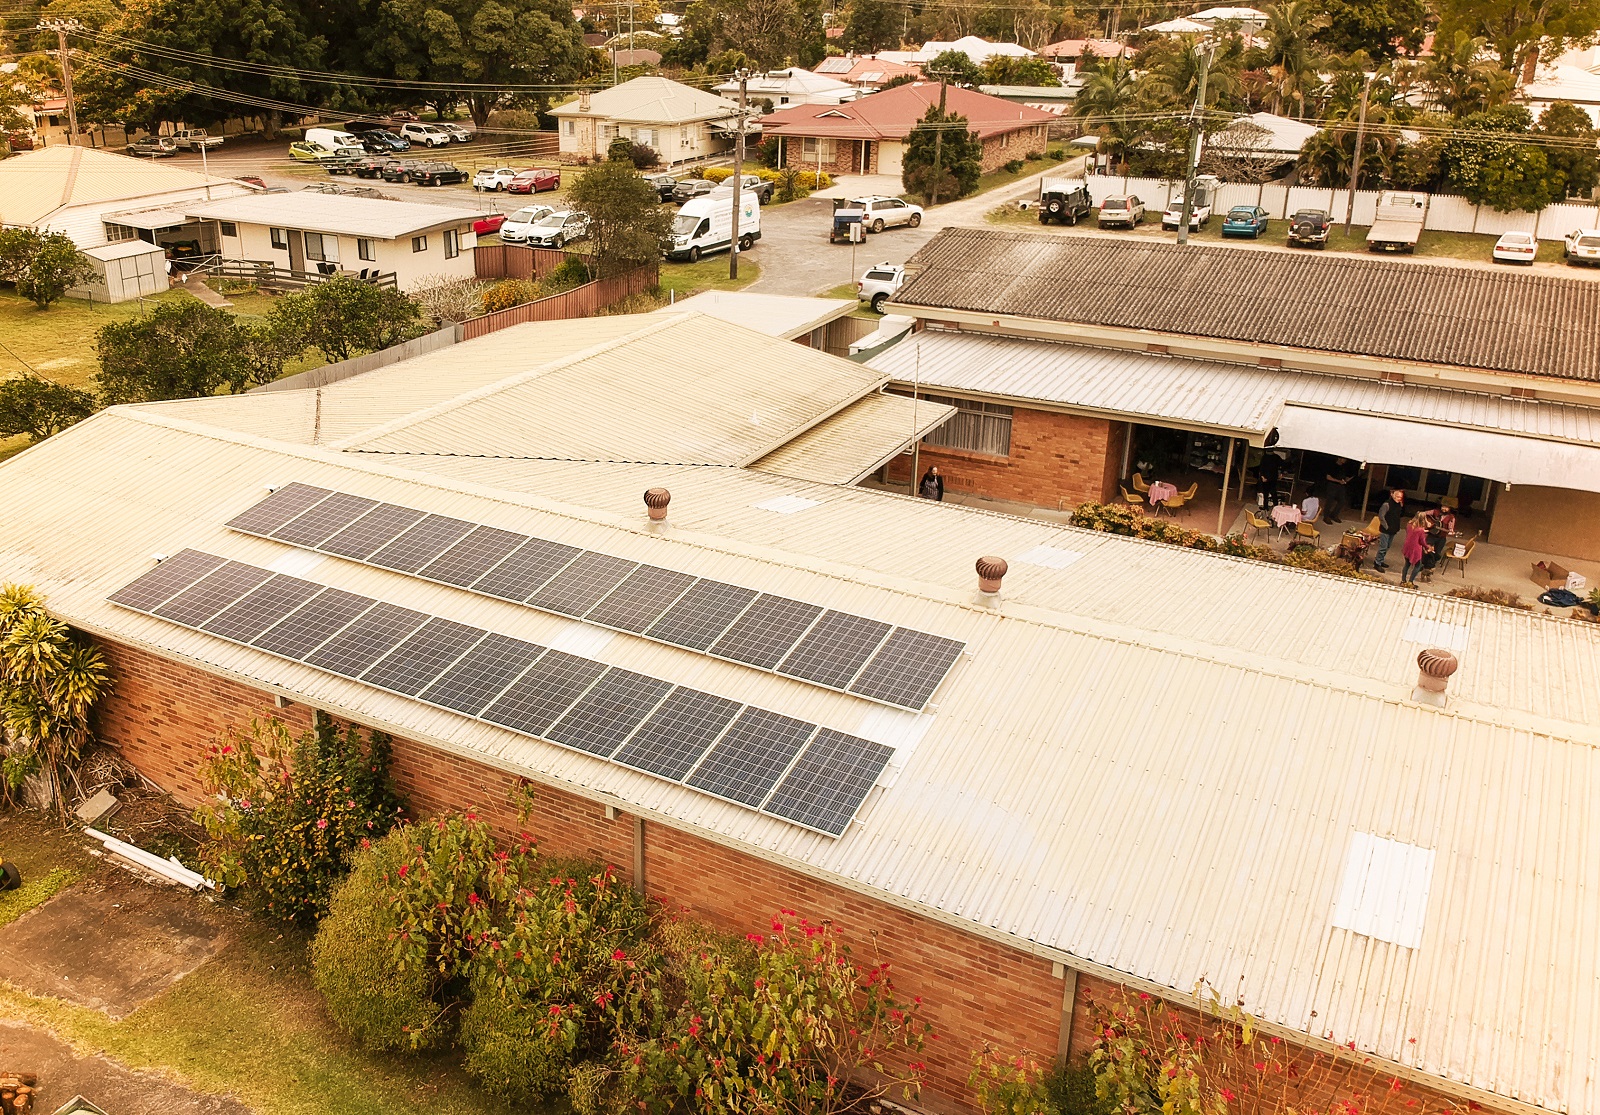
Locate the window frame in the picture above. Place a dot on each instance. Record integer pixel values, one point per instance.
(980, 428)
(228, 228)
(419, 244)
(366, 249)
(280, 239)
(452, 243)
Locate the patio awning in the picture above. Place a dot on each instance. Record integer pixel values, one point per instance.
(856, 442)
(150, 218)
(1397, 441)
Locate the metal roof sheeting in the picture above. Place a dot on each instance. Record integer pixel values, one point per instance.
(339, 214)
(857, 441)
(35, 184)
(1436, 314)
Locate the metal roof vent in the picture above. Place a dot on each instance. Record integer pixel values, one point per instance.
(655, 501)
(1434, 666)
(991, 571)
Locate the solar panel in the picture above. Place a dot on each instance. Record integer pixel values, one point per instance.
(748, 761)
(423, 657)
(166, 580)
(421, 544)
(908, 668)
(547, 690)
(370, 533)
(331, 515)
(307, 628)
(834, 650)
(520, 575)
(473, 556)
(704, 613)
(639, 601)
(672, 739)
(609, 712)
(829, 782)
(766, 631)
(483, 674)
(212, 593)
(582, 584)
(278, 508)
(366, 640)
(259, 610)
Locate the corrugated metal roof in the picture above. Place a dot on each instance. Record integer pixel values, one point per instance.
(1152, 759)
(651, 100)
(341, 214)
(777, 315)
(892, 113)
(1436, 314)
(857, 441)
(35, 184)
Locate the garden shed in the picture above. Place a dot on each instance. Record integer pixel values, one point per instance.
(125, 270)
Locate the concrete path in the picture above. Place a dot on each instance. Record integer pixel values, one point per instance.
(64, 1073)
(198, 288)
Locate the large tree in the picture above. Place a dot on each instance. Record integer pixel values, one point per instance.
(1463, 77)
(40, 407)
(1485, 162)
(626, 220)
(873, 25)
(1293, 58)
(958, 150)
(1522, 31)
(183, 349)
(1379, 27)
(1572, 152)
(43, 265)
(1005, 69)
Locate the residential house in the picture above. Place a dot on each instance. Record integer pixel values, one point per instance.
(792, 86)
(1178, 27)
(1266, 134)
(978, 49)
(638, 57)
(677, 121)
(1573, 77)
(866, 72)
(1248, 18)
(416, 243)
(1071, 54)
(1134, 771)
(1054, 99)
(868, 136)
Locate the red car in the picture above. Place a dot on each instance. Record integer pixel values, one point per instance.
(489, 222)
(535, 180)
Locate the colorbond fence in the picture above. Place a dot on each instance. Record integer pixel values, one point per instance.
(583, 301)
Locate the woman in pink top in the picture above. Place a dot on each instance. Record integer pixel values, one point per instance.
(1415, 548)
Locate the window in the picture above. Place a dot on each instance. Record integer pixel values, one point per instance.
(121, 232)
(419, 243)
(366, 250)
(570, 127)
(975, 427)
(280, 239)
(452, 243)
(646, 136)
(324, 249)
(228, 228)
(815, 147)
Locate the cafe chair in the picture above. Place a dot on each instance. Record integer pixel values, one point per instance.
(1464, 556)
(1306, 529)
(1189, 493)
(1173, 503)
(1132, 498)
(1140, 484)
(1255, 522)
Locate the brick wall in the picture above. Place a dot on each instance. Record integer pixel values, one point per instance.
(846, 156)
(161, 715)
(1057, 460)
(1001, 149)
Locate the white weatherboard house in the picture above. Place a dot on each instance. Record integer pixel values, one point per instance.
(417, 243)
(679, 122)
(792, 86)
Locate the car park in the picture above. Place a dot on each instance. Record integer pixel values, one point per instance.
(748, 184)
(515, 228)
(488, 223)
(193, 139)
(1516, 247)
(437, 174)
(152, 147)
(879, 212)
(1581, 246)
(493, 178)
(457, 133)
(1246, 220)
(1121, 211)
(305, 151)
(691, 188)
(535, 180)
(662, 184)
(425, 135)
(381, 142)
(558, 229)
(1310, 226)
(880, 284)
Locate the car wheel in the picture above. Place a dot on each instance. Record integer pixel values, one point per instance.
(1072, 219)
(745, 242)
(559, 242)
(916, 219)
(877, 225)
(877, 302)
(694, 254)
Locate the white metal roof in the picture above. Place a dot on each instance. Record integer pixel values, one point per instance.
(123, 249)
(651, 100)
(777, 315)
(857, 441)
(339, 214)
(36, 184)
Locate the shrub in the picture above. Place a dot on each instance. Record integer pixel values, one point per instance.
(1491, 596)
(811, 180)
(1009, 1084)
(445, 299)
(1057, 153)
(508, 293)
(570, 272)
(1309, 557)
(1116, 518)
(716, 173)
(513, 1048)
(644, 156)
(1034, 156)
(513, 119)
(1013, 165)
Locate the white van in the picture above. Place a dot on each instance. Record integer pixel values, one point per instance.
(706, 223)
(333, 138)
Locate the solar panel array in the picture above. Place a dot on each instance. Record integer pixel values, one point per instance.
(811, 776)
(866, 657)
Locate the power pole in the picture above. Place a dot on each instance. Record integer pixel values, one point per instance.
(738, 172)
(1355, 168)
(938, 143)
(1196, 125)
(61, 27)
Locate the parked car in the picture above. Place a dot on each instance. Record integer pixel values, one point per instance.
(535, 180)
(1310, 226)
(1516, 247)
(691, 188)
(880, 284)
(1581, 245)
(663, 184)
(1122, 211)
(152, 147)
(381, 142)
(457, 133)
(705, 225)
(558, 229)
(879, 213)
(437, 174)
(372, 166)
(305, 151)
(515, 228)
(1199, 212)
(192, 139)
(493, 178)
(425, 135)
(1064, 200)
(251, 180)
(399, 170)
(345, 161)
(748, 184)
(404, 117)
(1246, 220)
(489, 222)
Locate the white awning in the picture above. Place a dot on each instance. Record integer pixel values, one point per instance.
(1397, 441)
(150, 218)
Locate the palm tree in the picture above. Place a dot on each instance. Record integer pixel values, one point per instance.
(1291, 53)
(1462, 77)
(1107, 91)
(1327, 157)
(1179, 71)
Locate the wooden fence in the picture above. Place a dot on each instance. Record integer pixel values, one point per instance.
(515, 261)
(583, 301)
(269, 276)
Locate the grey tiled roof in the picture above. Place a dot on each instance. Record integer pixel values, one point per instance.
(1496, 320)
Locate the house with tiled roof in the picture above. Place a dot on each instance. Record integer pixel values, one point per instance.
(867, 72)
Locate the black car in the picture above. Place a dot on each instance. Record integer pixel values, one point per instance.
(371, 166)
(380, 142)
(662, 184)
(400, 170)
(692, 188)
(1065, 203)
(1310, 226)
(437, 174)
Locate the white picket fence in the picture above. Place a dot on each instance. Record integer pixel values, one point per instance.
(1446, 212)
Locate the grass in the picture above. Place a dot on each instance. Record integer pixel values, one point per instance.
(1002, 177)
(59, 342)
(848, 290)
(35, 891)
(711, 273)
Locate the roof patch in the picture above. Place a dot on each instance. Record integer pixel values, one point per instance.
(1383, 892)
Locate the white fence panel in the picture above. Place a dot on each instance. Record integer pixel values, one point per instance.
(1448, 213)
(1275, 200)
(1557, 220)
(1491, 222)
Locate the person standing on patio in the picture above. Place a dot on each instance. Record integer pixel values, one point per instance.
(932, 486)
(1415, 548)
(1336, 490)
(1391, 516)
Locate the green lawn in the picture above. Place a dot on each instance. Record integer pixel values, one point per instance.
(848, 290)
(59, 342)
(998, 178)
(711, 273)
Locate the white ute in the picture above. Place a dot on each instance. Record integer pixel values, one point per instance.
(880, 284)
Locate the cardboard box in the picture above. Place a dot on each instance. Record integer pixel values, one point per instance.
(1547, 574)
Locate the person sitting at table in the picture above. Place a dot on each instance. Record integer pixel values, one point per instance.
(1309, 507)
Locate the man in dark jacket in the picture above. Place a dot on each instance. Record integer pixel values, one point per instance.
(1391, 521)
(1336, 490)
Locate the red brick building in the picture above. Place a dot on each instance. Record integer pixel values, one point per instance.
(1110, 772)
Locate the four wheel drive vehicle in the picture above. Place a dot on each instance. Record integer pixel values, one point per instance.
(534, 180)
(493, 178)
(489, 222)
(152, 147)
(380, 142)
(1516, 247)
(692, 188)
(516, 227)
(878, 213)
(1581, 245)
(371, 166)
(705, 225)
(663, 184)
(880, 284)
(306, 152)
(1201, 201)
(1398, 222)
(399, 170)
(457, 133)
(1310, 226)
(1124, 211)
(1245, 220)
(558, 229)
(1064, 200)
(192, 139)
(425, 135)
(752, 184)
(437, 174)
(404, 117)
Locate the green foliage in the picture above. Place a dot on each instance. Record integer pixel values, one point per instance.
(182, 349)
(627, 220)
(1012, 166)
(1379, 27)
(871, 26)
(1004, 69)
(1577, 164)
(1521, 31)
(571, 272)
(1010, 1084)
(955, 66)
(290, 811)
(39, 407)
(508, 293)
(44, 266)
(960, 154)
(1125, 520)
(512, 1047)
(1488, 166)
(1071, 1090)
(620, 149)
(343, 317)
(1463, 76)
(765, 33)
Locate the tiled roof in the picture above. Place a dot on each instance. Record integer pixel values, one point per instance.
(892, 114)
(1436, 314)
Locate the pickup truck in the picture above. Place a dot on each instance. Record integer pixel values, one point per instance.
(1064, 200)
(193, 139)
(1398, 222)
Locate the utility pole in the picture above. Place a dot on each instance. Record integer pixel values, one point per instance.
(1355, 167)
(1196, 125)
(938, 142)
(61, 27)
(738, 172)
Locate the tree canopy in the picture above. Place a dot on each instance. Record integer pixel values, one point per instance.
(626, 221)
(960, 155)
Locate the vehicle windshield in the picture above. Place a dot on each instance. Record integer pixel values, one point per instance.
(553, 219)
(683, 225)
(527, 216)
(1589, 241)
(1241, 211)
(880, 275)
